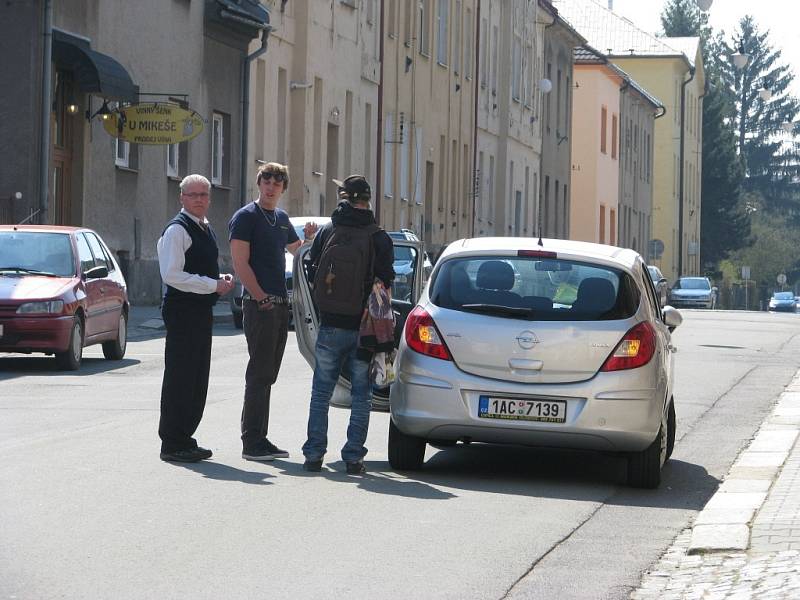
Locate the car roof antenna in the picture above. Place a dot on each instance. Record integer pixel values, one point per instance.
(540, 227)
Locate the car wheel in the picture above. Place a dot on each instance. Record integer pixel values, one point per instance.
(406, 452)
(70, 360)
(238, 321)
(672, 424)
(644, 468)
(115, 349)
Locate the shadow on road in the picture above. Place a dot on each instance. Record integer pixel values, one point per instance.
(222, 472)
(569, 475)
(379, 479)
(45, 366)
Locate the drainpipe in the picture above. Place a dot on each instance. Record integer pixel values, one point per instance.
(44, 149)
(680, 171)
(379, 148)
(475, 125)
(246, 112)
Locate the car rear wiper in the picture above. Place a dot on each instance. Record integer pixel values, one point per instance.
(29, 271)
(512, 311)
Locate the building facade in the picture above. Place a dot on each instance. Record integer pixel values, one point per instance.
(108, 54)
(314, 99)
(555, 190)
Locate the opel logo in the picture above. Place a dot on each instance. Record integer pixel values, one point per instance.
(527, 340)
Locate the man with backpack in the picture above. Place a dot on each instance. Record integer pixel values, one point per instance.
(347, 256)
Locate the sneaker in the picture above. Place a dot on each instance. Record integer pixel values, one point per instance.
(356, 468)
(259, 453)
(313, 466)
(187, 455)
(275, 451)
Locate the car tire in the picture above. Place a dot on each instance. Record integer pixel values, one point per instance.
(115, 349)
(644, 468)
(406, 452)
(70, 360)
(672, 424)
(238, 321)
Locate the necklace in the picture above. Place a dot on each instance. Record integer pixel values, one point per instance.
(272, 222)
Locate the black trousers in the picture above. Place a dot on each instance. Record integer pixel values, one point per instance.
(187, 360)
(266, 332)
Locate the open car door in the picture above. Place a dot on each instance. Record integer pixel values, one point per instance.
(410, 277)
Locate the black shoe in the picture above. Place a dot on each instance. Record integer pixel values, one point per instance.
(356, 468)
(314, 466)
(275, 451)
(188, 455)
(259, 452)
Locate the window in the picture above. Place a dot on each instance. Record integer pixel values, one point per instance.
(441, 42)
(457, 38)
(468, 51)
(388, 166)
(558, 103)
(494, 59)
(603, 119)
(614, 136)
(424, 41)
(516, 69)
(391, 23)
(408, 18)
(173, 160)
(100, 257)
(84, 253)
(602, 224)
(122, 151)
(217, 148)
(484, 65)
(612, 227)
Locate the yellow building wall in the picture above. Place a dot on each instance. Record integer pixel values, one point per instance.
(663, 77)
(595, 175)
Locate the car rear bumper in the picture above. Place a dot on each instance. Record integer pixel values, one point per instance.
(35, 334)
(435, 400)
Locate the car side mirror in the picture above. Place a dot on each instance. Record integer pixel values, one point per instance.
(672, 317)
(96, 273)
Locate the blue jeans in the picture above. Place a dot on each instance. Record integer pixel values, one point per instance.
(336, 353)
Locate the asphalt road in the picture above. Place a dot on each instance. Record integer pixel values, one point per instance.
(87, 509)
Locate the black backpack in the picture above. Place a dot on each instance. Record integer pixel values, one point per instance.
(344, 270)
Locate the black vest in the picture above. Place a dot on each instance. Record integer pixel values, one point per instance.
(201, 259)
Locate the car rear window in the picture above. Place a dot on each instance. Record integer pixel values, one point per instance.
(692, 283)
(36, 251)
(535, 289)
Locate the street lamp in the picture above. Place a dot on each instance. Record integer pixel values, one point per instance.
(789, 126)
(704, 5)
(740, 59)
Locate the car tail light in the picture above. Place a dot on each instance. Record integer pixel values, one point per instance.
(635, 350)
(422, 335)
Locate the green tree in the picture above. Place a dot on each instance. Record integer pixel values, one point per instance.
(771, 163)
(773, 250)
(724, 226)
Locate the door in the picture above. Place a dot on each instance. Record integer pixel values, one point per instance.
(62, 135)
(111, 293)
(407, 287)
(93, 287)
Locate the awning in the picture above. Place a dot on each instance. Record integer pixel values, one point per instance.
(94, 72)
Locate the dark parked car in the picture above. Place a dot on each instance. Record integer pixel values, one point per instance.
(661, 284)
(60, 290)
(783, 301)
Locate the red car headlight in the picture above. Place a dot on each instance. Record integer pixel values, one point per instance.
(47, 307)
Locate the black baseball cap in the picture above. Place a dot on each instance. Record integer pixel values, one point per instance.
(355, 186)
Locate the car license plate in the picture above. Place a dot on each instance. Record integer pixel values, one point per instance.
(520, 409)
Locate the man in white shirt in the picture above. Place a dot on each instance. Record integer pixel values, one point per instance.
(188, 260)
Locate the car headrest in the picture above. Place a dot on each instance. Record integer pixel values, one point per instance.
(495, 275)
(595, 293)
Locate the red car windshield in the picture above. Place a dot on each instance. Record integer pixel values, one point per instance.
(36, 253)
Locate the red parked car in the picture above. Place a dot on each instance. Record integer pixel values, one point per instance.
(60, 290)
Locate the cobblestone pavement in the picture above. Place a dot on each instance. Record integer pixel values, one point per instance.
(764, 482)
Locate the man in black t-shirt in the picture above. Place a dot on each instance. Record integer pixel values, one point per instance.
(260, 234)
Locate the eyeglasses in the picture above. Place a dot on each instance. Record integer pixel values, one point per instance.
(195, 194)
(278, 177)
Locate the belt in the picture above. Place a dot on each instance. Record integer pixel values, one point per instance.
(270, 298)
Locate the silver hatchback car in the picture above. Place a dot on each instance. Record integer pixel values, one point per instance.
(562, 344)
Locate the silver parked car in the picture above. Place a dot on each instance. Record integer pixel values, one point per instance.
(559, 345)
(693, 292)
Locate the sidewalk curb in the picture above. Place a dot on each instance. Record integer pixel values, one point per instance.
(726, 521)
(157, 324)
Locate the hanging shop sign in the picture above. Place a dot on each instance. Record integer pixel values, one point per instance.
(154, 123)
